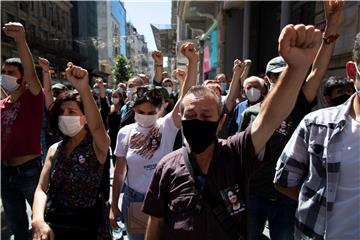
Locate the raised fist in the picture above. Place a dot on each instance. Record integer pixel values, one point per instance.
(77, 76)
(44, 64)
(298, 44)
(238, 66)
(15, 30)
(189, 51)
(334, 13)
(179, 74)
(158, 57)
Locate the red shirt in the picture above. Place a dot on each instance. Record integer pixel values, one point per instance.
(21, 123)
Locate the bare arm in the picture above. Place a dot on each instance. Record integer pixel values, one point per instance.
(101, 140)
(334, 15)
(38, 208)
(298, 45)
(17, 31)
(118, 182)
(49, 99)
(240, 72)
(155, 228)
(190, 53)
(158, 59)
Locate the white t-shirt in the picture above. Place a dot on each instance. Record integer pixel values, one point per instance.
(146, 147)
(344, 220)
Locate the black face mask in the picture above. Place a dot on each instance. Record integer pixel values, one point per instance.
(339, 100)
(199, 134)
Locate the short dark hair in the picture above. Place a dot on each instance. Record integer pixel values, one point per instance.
(55, 110)
(201, 91)
(333, 83)
(15, 62)
(150, 94)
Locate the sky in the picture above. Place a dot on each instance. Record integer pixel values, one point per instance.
(141, 13)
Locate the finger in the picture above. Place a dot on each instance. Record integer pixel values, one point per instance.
(287, 38)
(316, 38)
(51, 235)
(300, 35)
(309, 35)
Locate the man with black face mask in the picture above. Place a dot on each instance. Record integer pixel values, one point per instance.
(188, 196)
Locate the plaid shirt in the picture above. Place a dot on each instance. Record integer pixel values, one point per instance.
(311, 161)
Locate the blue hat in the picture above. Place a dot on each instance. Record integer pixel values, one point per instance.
(276, 65)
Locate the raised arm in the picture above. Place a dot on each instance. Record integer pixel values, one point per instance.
(240, 72)
(101, 141)
(17, 31)
(298, 46)
(189, 51)
(158, 65)
(44, 64)
(334, 16)
(179, 75)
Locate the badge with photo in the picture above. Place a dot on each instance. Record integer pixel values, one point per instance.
(233, 199)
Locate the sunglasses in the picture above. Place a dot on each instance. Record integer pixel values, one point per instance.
(148, 91)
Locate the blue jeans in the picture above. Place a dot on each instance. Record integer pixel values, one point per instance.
(280, 214)
(130, 196)
(17, 185)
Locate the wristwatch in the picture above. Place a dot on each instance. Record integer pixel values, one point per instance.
(329, 39)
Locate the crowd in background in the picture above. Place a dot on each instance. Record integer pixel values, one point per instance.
(210, 161)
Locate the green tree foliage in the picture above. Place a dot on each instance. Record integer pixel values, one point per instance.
(121, 70)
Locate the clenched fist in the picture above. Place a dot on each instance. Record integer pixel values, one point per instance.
(15, 30)
(179, 74)
(189, 51)
(158, 57)
(77, 76)
(44, 64)
(298, 44)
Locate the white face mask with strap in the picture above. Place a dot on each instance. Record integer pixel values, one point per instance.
(9, 83)
(145, 120)
(70, 125)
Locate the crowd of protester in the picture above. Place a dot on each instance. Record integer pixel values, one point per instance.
(211, 161)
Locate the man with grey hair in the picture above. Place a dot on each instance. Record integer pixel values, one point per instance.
(254, 90)
(320, 168)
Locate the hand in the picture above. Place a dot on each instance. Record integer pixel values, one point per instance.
(77, 76)
(189, 51)
(179, 74)
(334, 14)
(298, 45)
(158, 57)
(42, 231)
(238, 66)
(44, 64)
(14, 30)
(115, 212)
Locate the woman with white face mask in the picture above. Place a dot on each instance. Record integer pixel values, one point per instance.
(139, 148)
(67, 202)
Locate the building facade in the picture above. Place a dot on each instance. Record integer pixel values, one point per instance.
(137, 51)
(48, 32)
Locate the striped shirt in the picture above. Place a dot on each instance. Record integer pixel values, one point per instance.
(311, 162)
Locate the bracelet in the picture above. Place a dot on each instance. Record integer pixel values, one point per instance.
(329, 39)
(48, 71)
(159, 65)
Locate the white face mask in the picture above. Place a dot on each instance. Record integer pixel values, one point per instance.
(169, 90)
(223, 86)
(130, 92)
(70, 125)
(96, 91)
(145, 120)
(253, 94)
(115, 100)
(9, 83)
